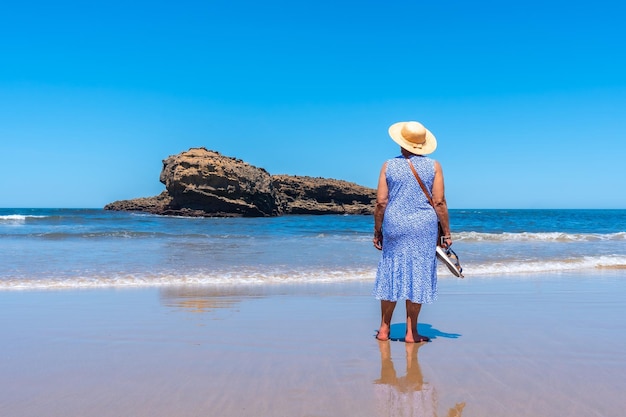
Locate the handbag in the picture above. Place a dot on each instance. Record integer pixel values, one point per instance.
(445, 254)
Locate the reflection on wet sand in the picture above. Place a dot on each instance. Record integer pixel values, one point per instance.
(408, 395)
(203, 299)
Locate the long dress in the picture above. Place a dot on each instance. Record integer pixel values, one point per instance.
(407, 269)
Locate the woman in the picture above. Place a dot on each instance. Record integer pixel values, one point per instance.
(405, 228)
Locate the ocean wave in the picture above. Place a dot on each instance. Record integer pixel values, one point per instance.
(588, 263)
(124, 234)
(233, 278)
(542, 237)
(18, 217)
(558, 237)
(501, 269)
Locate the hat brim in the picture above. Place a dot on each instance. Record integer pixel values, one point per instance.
(429, 145)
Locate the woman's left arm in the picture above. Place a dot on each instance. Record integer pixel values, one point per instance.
(441, 206)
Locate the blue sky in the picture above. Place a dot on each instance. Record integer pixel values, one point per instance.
(527, 99)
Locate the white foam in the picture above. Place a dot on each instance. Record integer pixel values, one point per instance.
(253, 277)
(18, 217)
(542, 237)
(231, 279)
(543, 266)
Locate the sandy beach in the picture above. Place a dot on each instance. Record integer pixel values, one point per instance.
(545, 345)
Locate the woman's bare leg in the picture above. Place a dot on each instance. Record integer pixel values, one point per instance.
(412, 313)
(386, 311)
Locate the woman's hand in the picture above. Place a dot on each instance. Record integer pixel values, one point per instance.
(446, 241)
(378, 240)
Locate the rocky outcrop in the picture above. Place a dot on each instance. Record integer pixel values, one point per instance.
(307, 195)
(200, 182)
(207, 181)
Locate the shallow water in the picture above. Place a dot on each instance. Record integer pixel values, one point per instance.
(85, 248)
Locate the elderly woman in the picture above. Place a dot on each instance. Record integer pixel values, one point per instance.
(405, 228)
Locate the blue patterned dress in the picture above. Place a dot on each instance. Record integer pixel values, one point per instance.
(408, 266)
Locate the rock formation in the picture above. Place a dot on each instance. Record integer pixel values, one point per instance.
(307, 195)
(200, 182)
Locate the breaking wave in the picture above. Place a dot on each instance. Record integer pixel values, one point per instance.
(539, 237)
(257, 277)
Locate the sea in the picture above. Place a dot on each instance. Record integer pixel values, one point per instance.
(94, 248)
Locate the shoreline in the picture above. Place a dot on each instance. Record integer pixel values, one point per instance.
(548, 345)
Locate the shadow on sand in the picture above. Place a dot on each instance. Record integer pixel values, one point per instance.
(398, 330)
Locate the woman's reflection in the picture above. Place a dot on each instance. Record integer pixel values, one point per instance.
(408, 395)
(203, 299)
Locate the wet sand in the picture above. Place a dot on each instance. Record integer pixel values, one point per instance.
(548, 345)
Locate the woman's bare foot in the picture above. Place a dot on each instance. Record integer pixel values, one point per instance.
(415, 338)
(383, 334)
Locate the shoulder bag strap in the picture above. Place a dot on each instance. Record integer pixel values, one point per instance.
(419, 180)
(430, 200)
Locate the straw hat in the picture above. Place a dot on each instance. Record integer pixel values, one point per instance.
(413, 137)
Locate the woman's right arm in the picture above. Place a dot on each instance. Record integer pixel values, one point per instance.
(382, 197)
